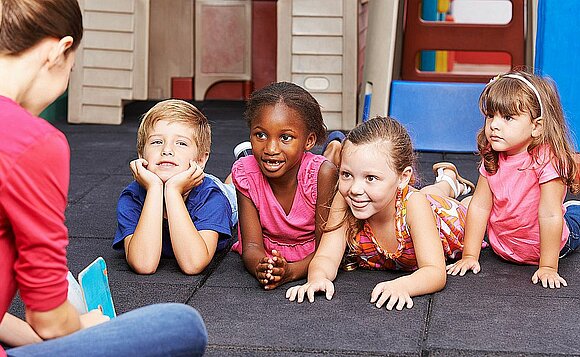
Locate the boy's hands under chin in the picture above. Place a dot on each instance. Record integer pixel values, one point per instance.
(185, 181)
(142, 175)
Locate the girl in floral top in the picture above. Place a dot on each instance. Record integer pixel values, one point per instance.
(386, 223)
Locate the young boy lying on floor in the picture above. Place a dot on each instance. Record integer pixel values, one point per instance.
(172, 208)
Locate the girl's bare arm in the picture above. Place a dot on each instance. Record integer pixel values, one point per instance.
(326, 261)
(253, 250)
(551, 222)
(430, 277)
(475, 226)
(326, 184)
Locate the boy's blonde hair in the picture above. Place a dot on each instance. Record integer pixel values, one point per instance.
(176, 111)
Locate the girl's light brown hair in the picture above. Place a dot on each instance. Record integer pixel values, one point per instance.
(510, 96)
(176, 111)
(24, 23)
(391, 138)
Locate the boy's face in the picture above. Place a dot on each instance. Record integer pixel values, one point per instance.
(169, 147)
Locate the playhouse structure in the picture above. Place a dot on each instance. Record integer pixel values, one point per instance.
(423, 62)
(449, 50)
(214, 49)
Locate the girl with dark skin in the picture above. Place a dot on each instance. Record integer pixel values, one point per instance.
(289, 186)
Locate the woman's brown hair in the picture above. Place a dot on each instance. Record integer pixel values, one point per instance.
(24, 23)
(392, 138)
(508, 96)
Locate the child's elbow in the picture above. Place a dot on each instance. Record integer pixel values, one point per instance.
(192, 268)
(442, 280)
(439, 279)
(144, 264)
(144, 269)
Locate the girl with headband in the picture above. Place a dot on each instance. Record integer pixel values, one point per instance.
(527, 163)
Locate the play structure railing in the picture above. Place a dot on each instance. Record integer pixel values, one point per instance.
(440, 108)
(420, 35)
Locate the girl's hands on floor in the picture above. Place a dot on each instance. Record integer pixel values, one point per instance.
(394, 293)
(548, 277)
(297, 292)
(464, 265)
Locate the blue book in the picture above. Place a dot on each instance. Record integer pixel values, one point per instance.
(94, 283)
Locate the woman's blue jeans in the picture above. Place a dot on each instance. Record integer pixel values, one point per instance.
(155, 330)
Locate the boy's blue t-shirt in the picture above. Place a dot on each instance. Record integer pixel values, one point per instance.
(208, 208)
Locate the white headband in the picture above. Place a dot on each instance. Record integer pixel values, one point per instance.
(527, 82)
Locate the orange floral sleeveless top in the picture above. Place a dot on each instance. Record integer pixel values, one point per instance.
(450, 220)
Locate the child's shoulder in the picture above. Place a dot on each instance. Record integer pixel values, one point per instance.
(414, 197)
(310, 158)
(310, 166)
(545, 155)
(135, 190)
(315, 169)
(245, 166)
(207, 191)
(207, 185)
(418, 207)
(132, 197)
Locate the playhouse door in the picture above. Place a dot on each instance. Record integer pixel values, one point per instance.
(223, 46)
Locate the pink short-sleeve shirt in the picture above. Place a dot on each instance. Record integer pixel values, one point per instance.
(293, 234)
(513, 227)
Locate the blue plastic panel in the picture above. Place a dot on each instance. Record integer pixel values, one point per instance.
(558, 53)
(428, 13)
(440, 116)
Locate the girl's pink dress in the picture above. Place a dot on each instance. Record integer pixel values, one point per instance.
(293, 234)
